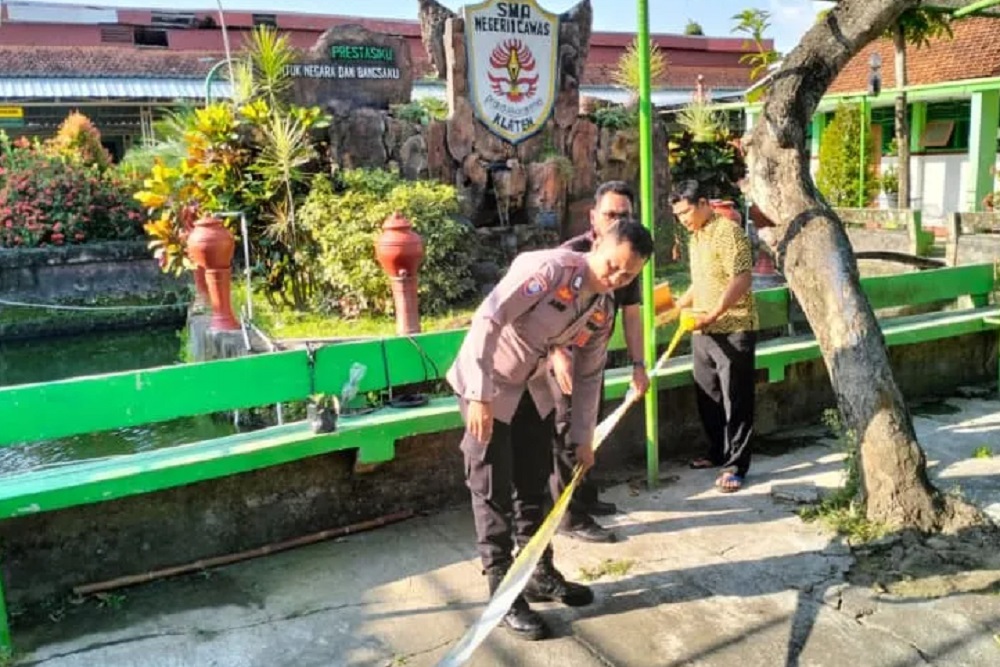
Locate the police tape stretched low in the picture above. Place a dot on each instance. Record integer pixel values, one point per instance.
(527, 559)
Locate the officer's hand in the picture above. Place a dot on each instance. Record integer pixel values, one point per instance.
(480, 421)
(640, 380)
(562, 367)
(585, 456)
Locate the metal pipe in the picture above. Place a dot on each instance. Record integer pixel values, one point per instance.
(246, 264)
(974, 7)
(212, 73)
(648, 272)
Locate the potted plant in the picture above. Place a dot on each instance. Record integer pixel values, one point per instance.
(890, 186)
(322, 411)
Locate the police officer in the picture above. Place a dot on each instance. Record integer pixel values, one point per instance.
(614, 200)
(547, 299)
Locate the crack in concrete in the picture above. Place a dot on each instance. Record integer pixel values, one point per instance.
(860, 620)
(101, 645)
(592, 650)
(402, 659)
(184, 633)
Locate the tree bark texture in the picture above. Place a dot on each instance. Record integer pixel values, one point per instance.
(902, 117)
(818, 262)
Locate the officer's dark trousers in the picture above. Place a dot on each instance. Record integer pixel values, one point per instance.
(508, 481)
(724, 381)
(564, 455)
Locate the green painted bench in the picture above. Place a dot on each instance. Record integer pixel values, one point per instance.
(100, 403)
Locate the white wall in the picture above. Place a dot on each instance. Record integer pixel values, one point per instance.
(940, 183)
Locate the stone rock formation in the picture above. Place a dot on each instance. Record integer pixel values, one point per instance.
(350, 66)
(432, 21)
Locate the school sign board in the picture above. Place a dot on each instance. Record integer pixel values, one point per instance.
(512, 50)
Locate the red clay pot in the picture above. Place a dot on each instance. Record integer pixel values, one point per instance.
(210, 246)
(202, 300)
(726, 209)
(400, 251)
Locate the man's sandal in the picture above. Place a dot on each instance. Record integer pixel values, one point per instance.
(729, 482)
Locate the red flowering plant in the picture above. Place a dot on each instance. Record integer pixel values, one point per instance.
(46, 199)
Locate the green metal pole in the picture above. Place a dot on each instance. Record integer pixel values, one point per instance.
(974, 7)
(862, 153)
(648, 272)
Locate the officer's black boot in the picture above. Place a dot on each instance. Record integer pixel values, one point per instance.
(547, 583)
(519, 619)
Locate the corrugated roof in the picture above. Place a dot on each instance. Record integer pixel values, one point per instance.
(119, 88)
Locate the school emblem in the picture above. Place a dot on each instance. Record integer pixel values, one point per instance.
(512, 50)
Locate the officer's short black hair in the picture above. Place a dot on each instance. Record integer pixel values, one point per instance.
(617, 187)
(630, 230)
(690, 191)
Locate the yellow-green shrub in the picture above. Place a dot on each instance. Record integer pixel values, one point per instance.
(346, 223)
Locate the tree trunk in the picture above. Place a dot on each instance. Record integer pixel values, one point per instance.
(902, 117)
(822, 272)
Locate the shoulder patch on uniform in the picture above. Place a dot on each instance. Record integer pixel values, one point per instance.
(534, 285)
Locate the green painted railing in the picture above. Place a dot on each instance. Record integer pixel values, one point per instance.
(106, 402)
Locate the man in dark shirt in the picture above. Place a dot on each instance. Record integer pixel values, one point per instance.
(613, 201)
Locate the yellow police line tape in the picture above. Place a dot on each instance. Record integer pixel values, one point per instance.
(524, 565)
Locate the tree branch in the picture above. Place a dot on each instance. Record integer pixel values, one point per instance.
(817, 60)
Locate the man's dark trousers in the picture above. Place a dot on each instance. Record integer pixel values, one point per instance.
(724, 382)
(564, 451)
(508, 482)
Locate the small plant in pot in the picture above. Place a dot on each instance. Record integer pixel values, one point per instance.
(890, 186)
(322, 411)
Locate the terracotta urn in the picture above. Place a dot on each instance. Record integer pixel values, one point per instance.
(202, 300)
(400, 250)
(210, 246)
(726, 209)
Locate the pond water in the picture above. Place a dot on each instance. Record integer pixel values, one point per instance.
(50, 359)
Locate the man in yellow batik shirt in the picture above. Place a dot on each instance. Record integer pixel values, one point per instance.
(725, 334)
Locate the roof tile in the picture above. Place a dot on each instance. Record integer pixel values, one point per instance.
(973, 53)
(107, 61)
(129, 61)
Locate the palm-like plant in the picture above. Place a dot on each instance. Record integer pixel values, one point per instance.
(754, 24)
(626, 72)
(283, 136)
(700, 120)
(270, 54)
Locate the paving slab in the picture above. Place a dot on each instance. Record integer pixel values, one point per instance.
(700, 578)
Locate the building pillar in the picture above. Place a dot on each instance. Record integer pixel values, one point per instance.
(818, 128)
(983, 124)
(752, 115)
(918, 123)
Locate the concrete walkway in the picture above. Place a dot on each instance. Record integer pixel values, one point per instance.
(701, 578)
